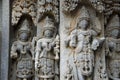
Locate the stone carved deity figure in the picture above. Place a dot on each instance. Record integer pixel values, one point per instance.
(113, 48)
(47, 53)
(82, 42)
(22, 53)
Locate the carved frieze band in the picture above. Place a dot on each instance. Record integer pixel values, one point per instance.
(87, 45)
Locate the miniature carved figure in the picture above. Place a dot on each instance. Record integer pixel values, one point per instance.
(47, 53)
(83, 43)
(22, 53)
(113, 48)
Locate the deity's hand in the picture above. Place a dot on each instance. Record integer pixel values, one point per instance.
(14, 55)
(79, 48)
(72, 45)
(101, 41)
(95, 44)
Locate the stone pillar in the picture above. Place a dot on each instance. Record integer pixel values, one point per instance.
(5, 39)
(0, 27)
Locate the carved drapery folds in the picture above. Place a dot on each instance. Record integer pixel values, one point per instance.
(85, 46)
(112, 13)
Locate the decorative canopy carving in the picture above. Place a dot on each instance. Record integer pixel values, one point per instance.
(112, 6)
(21, 7)
(98, 5)
(69, 5)
(48, 7)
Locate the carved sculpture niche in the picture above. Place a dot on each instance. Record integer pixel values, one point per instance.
(43, 50)
(83, 42)
(47, 40)
(113, 48)
(47, 53)
(86, 46)
(22, 53)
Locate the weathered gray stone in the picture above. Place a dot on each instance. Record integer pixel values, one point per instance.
(60, 40)
(4, 71)
(0, 31)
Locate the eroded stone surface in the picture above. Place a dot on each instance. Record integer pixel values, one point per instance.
(62, 40)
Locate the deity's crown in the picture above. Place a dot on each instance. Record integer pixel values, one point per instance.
(84, 14)
(114, 23)
(49, 24)
(25, 26)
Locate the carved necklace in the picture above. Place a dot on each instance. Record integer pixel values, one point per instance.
(23, 43)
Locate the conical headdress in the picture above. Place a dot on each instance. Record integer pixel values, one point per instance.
(114, 23)
(49, 24)
(25, 26)
(84, 14)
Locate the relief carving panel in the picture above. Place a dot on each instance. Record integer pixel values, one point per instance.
(83, 43)
(22, 53)
(47, 53)
(113, 48)
(65, 40)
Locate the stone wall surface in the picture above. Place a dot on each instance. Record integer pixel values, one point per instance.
(60, 39)
(0, 21)
(0, 27)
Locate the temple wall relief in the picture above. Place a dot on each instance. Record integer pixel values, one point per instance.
(62, 40)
